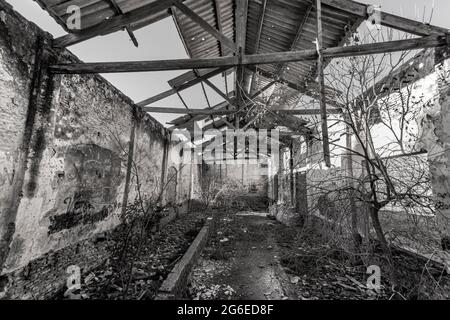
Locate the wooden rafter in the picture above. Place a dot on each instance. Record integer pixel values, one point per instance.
(119, 11)
(267, 58)
(263, 89)
(223, 50)
(298, 36)
(203, 112)
(258, 38)
(183, 121)
(387, 19)
(282, 67)
(219, 92)
(182, 101)
(310, 89)
(206, 26)
(116, 23)
(321, 80)
(260, 26)
(184, 86)
(241, 32)
(223, 112)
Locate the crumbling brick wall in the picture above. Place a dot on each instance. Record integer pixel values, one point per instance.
(70, 148)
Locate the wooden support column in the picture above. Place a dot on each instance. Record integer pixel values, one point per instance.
(321, 80)
(258, 41)
(291, 172)
(241, 32)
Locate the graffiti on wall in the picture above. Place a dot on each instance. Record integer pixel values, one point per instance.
(87, 189)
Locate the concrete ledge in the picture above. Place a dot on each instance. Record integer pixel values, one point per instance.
(174, 286)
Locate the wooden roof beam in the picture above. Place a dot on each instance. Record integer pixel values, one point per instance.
(224, 112)
(115, 23)
(267, 58)
(297, 39)
(321, 80)
(184, 122)
(219, 92)
(127, 28)
(241, 35)
(310, 90)
(205, 112)
(184, 86)
(260, 26)
(258, 39)
(206, 26)
(219, 18)
(387, 19)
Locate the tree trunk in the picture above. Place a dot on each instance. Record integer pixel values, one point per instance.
(374, 215)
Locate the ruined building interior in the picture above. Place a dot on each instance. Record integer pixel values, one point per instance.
(323, 156)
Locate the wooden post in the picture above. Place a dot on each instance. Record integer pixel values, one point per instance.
(291, 172)
(321, 78)
(241, 33)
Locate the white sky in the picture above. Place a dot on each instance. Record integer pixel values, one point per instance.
(161, 41)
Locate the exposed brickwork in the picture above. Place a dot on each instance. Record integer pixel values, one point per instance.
(45, 276)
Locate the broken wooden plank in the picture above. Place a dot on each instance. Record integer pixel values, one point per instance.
(321, 80)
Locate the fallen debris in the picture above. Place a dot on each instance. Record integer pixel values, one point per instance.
(156, 260)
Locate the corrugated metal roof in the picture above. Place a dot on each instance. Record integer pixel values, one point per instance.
(198, 42)
(94, 12)
(291, 25)
(272, 26)
(286, 25)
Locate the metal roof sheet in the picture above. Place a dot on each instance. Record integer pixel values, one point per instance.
(272, 26)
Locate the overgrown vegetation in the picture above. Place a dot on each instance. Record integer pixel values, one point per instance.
(377, 196)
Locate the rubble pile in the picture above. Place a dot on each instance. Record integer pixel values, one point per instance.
(157, 257)
(322, 271)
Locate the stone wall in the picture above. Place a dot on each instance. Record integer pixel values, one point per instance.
(251, 175)
(436, 139)
(73, 151)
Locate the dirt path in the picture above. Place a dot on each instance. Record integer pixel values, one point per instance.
(241, 262)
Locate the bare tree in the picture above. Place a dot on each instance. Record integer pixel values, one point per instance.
(377, 94)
